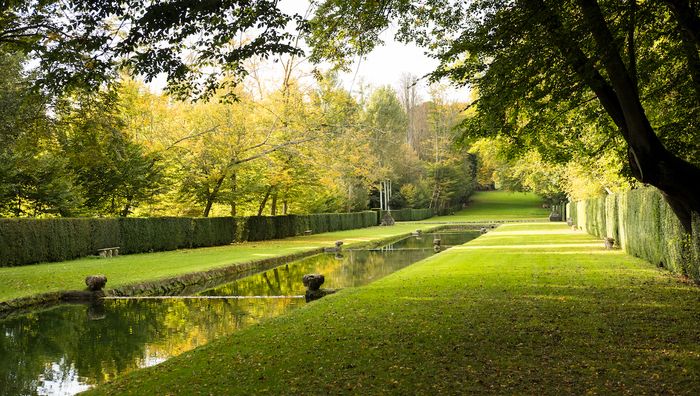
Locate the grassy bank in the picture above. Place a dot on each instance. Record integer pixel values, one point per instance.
(526, 309)
(24, 281)
(499, 206)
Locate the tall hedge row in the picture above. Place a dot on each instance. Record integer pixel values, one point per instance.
(27, 241)
(24, 241)
(695, 244)
(258, 228)
(213, 231)
(154, 234)
(409, 214)
(645, 226)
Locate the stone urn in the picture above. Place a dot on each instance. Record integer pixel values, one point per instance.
(313, 281)
(387, 220)
(609, 243)
(96, 282)
(336, 249)
(313, 284)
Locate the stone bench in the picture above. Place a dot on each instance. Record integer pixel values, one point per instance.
(108, 252)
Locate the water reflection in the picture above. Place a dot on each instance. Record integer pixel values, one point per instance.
(64, 350)
(425, 241)
(70, 348)
(356, 268)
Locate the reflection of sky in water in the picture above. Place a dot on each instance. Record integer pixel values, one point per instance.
(57, 380)
(70, 348)
(149, 361)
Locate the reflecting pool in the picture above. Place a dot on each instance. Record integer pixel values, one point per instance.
(70, 348)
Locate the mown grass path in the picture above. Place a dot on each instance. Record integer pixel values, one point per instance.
(34, 279)
(526, 309)
(498, 206)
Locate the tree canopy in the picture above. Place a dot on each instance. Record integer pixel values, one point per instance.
(86, 43)
(545, 71)
(562, 82)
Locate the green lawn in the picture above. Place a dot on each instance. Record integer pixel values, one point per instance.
(499, 205)
(525, 309)
(70, 275)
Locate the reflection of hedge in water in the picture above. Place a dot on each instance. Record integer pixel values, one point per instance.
(356, 268)
(116, 344)
(27, 241)
(259, 228)
(645, 226)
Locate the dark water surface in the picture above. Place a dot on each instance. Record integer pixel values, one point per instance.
(70, 348)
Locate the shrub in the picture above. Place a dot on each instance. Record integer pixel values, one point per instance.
(27, 241)
(694, 248)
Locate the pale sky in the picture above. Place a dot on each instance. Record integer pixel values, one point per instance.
(386, 64)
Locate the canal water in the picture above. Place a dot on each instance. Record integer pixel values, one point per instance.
(70, 348)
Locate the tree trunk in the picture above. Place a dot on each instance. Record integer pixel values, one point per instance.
(234, 187)
(125, 211)
(264, 201)
(273, 205)
(284, 207)
(211, 197)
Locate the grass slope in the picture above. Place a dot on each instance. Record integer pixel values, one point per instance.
(69, 275)
(526, 309)
(499, 205)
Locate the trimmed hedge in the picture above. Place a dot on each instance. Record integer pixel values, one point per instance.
(643, 224)
(409, 214)
(695, 245)
(154, 234)
(28, 241)
(259, 228)
(213, 231)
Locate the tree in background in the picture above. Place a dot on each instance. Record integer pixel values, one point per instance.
(102, 144)
(115, 173)
(34, 175)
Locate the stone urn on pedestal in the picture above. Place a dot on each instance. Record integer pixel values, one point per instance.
(313, 283)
